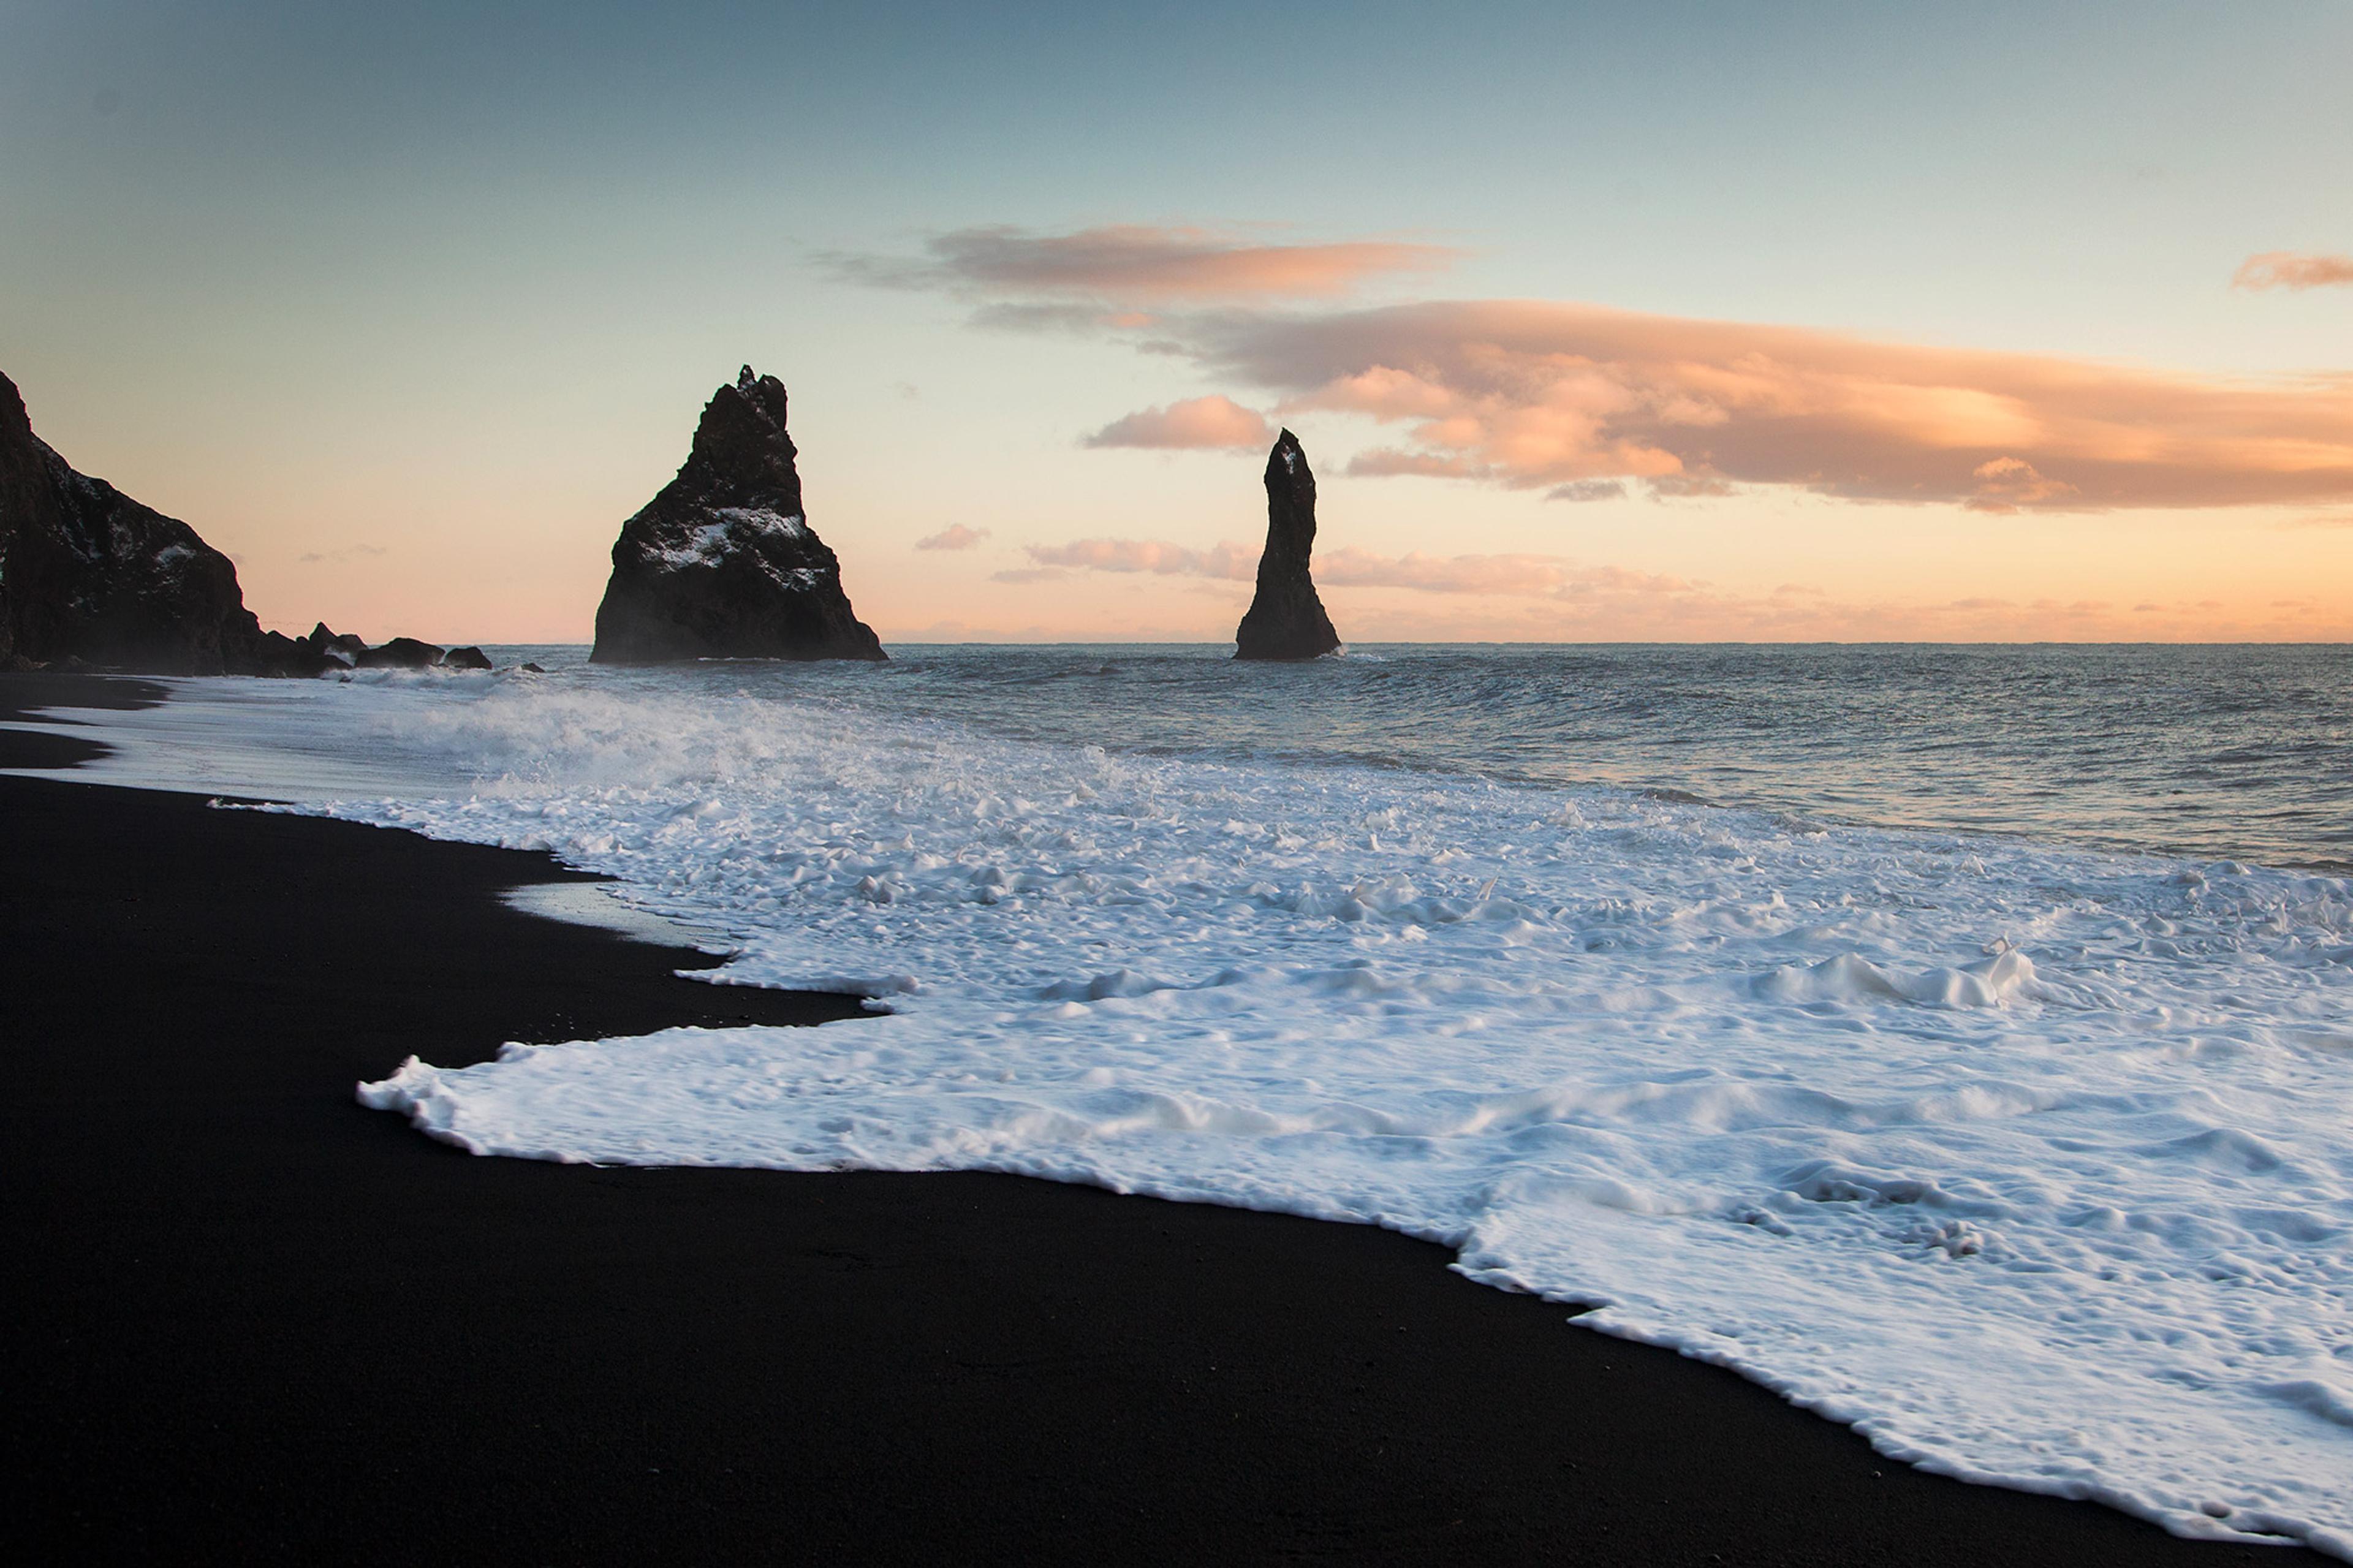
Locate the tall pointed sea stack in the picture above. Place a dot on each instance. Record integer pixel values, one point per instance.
(721, 564)
(1286, 620)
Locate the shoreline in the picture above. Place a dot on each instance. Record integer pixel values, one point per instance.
(251, 1316)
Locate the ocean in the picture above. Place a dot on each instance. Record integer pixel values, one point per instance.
(1956, 1040)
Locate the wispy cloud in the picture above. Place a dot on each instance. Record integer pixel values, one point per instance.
(1686, 486)
(1535, 393)
(2293, 269)
(1582, 490)
(1586, 403)
(1540, 599)
(1226, 561)
(1140, 265)
(1487, 576)
(1198, 422)
(955, 536)
(346, 553)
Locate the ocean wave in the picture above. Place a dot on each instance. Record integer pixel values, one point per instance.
(2027, 1161)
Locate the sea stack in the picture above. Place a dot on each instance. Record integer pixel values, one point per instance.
(89, 575)
(1286, 620)
(722, 563)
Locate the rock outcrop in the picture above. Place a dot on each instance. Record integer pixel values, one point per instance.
(326, 640)
(722, 563)
(89, 577)
(333, 650)
(401, 653)
(86, 573)
(283, 655)
(1286, 620)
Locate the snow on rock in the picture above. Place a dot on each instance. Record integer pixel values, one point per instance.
(723, 562)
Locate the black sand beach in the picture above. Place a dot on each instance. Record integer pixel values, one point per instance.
(246, 1316)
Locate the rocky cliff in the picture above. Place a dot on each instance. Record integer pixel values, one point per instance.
(1286, 620)
(723, 562)
(89, 577)
(88, 573)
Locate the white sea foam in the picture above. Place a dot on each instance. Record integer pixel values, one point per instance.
(2030, 1162)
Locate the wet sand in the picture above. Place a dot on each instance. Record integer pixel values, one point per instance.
(247, 1316)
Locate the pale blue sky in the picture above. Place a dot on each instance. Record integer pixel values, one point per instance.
(451, 287)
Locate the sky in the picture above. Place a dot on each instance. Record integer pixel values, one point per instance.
(1612, 322)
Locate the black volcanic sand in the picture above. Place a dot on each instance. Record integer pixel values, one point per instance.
(21, 694)
(246, 1316)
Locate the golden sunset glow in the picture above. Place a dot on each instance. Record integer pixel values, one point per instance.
(1774, 375)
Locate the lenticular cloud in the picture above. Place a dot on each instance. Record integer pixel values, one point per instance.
(1536, 394)
(1212, 422)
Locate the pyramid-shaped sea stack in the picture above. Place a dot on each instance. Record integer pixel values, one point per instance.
(723, 562)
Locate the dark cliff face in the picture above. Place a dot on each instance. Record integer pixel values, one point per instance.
(1286, 620)
(722, 563)
(86, 572)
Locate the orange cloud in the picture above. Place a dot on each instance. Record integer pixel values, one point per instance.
(1197, 422)
(2005, 484)
(1140, 264)
(1539, 393)
(2289, 269)
(955, 536)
